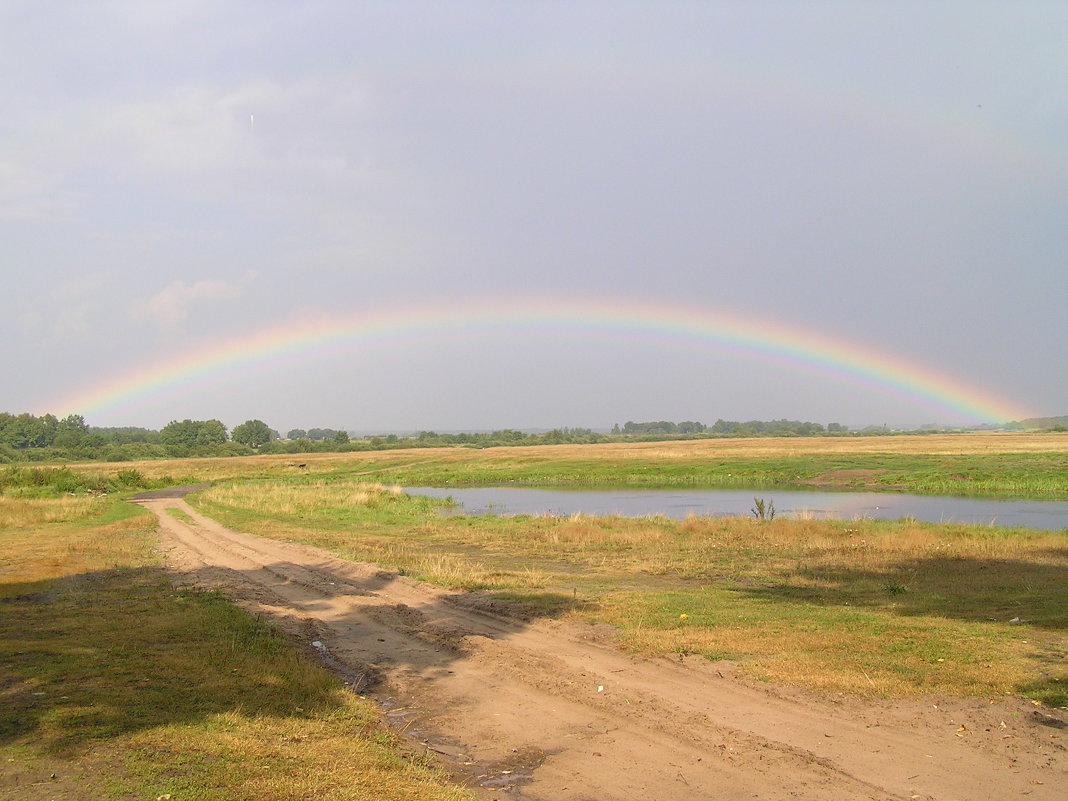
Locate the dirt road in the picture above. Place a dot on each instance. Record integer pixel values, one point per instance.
(547, 711)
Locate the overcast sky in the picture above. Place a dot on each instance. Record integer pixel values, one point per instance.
(178, 174)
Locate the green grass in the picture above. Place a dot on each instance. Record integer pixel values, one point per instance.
(121, 686)
(180, 514)
(47, 482)
(1002, 465)
(997, 475)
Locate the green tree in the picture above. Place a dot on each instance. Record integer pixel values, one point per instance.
(253, 433)
(28, 431)
(70, 431)
(188, 434)
(181, 434)
(297, 433)
(211, 432)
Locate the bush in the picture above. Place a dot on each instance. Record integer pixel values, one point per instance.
(132, 478)
(66, 481)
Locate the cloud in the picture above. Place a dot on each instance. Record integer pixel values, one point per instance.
(194, 140)
(170, 305)
(75, 304)
(24, 196)
(70, 309)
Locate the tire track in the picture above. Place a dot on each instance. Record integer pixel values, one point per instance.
(550, 711)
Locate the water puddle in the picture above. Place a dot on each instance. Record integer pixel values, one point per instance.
(680, 504)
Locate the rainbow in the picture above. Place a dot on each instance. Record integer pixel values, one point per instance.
(743, 336)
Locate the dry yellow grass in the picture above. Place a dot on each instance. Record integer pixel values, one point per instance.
(756, 447)
(297, 499)
(21, 512)
(986, 442)
(843, 659)
(43, 539)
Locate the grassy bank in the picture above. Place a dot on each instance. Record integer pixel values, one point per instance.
(115, 685)
(995, 475)
(991, 465)
(874, 607)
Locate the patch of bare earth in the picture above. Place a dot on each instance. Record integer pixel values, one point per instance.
(55, 779)
(550, 710)
(848, 479)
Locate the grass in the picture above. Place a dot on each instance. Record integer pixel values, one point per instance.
(116, 685)
(182, 515)
(871, 607)
(1018, 465)
(47, 482)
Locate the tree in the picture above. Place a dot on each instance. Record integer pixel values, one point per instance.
(70, 431)
(253, 433)
(182, 434)
(188, 434)
(72, 422)
(297, 433)
(212, 432)
(27, 431)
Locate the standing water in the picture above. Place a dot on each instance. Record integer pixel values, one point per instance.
(680, 504)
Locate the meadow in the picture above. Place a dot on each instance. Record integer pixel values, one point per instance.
(1009, 465)
(867, 607)
(116, 684)
(119, 683)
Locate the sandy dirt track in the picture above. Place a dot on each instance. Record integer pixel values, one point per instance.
(550, 710)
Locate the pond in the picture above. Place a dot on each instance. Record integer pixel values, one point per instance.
(680, 504)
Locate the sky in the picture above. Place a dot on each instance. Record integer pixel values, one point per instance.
(477, 215)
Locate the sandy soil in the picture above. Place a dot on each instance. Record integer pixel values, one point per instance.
(548, 710)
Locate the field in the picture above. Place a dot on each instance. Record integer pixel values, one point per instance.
(994, 464)
(877, 612)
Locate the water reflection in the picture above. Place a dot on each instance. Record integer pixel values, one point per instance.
(679, 504)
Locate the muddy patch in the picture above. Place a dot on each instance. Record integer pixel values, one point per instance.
(849, 479)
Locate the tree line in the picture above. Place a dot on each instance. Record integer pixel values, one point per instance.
(750, 428)
(26, 437)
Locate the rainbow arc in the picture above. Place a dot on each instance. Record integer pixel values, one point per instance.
(773, 341)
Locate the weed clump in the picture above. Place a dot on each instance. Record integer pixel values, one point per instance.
(763, 510)
(50, 482)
